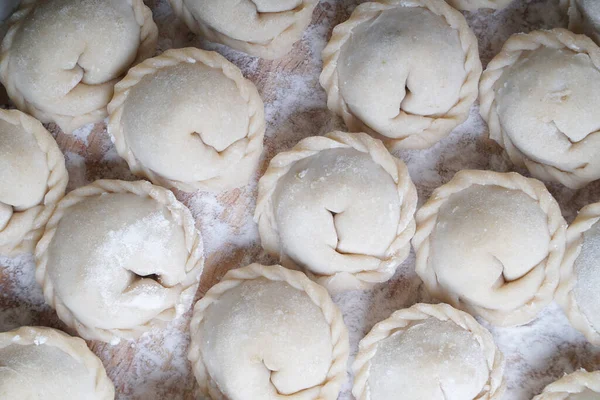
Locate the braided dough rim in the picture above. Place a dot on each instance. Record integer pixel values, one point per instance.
(336, 375)
(236, 175)
(565, 296)
(473, 5)
(575, 382)
(12, 243)
(398, 250)
(496, 384)
(511, 51)
(440, 126)
(277, 47)
(68, 123)
(75, 347)
(194, 264)
(427, 218)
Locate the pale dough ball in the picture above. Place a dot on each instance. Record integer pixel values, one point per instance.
(580, 385)
(61, 58)
(44, 363)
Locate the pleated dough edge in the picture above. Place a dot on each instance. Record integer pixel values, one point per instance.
(575, 382)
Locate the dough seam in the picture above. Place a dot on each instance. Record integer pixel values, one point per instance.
(575, 382)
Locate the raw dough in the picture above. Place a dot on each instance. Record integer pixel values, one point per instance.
(580, 274)
(404, 71)
(539, 98)
(340, 206)
(580, 385)
(188, 119)
(118, 258)
(44, 363)
(492, 244)
(472, 5)
(33, 179)
(269, 333)
(584, 17)
(428, 352)
(263, 28)
(61, 58)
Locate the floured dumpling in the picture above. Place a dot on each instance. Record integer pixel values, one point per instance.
(492, 244)
(44, 363)
(580, 274)
(188, 119)
(341, 207)
(472, 5)
(118, 258)
(61, 58)
(428, 352)
(33, 179)
(263, 28)
(405, 71)
(269, 333)
(580, 385)
(539, 97)
(584, 17)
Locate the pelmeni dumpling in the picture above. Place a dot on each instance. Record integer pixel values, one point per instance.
(432, 352)
(188, 119)
(341, 207)
(263, 28)
(269, 333)
(33, 178)
(118, 258)
(539, 97)
(61, 58)
(580, 385)
(405, 71)
(584, 17)
(492, 244)
(44, 363)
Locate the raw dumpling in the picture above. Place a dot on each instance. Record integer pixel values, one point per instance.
(404, 71)
(539, 97)
(269, 333)
(580, 385)
(472, 5)
(33, 179)
(263, 28)
(584, 17)
(340, 206)
(492, 244)
(188, 119)
(580, 274)
(118, 258)
(44, 363)
(61, 58)
(428, 352)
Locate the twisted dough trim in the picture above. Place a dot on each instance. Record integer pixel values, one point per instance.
(472, 5)
(68, 123)
(565, 296)
(280, 165)
(516, 46)
(193, 267)
(336, 375)
(427, 219)
(239, 173)
(404, 319)
(577, 382)
(440, 126)
(277, 47)
(25, 228)
(75, 347)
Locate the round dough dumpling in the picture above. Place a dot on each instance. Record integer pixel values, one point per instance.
(539, 96)
(119, 258)
(341, 207)
(262, 28)
(33, 178)
(492, 244)
(61, 58)
(44, 363)
(269, 333)
(584, 17)
(403, 71)
(432, 352)
(472, 5)
(580, 273)
(188, 119)
(580, 385)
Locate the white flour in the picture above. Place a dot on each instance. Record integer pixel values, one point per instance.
(156, 367)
